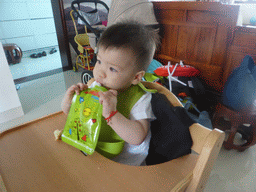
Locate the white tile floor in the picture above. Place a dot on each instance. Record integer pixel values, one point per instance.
(233, 171)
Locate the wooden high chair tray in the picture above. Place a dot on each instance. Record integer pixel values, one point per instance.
(31, 160)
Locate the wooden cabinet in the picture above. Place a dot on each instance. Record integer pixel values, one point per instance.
(199, 33)
(243, 43)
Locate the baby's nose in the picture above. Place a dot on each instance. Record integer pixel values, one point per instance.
(102, 74)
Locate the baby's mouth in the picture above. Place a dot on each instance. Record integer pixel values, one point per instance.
(100, 82)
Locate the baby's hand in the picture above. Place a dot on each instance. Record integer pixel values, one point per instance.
(109, 101)
(76, 89)
(67, 100)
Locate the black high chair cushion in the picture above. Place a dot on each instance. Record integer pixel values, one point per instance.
(170, 131)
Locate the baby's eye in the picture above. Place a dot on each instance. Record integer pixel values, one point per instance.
(112, 69)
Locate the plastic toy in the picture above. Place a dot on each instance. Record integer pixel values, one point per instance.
(83, 123)
(180, 70)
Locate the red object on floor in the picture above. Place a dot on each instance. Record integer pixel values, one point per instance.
(185, 71)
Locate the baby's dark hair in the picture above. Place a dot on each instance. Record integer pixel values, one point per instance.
(137, 37)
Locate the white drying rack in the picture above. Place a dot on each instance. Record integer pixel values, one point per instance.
(170, 77)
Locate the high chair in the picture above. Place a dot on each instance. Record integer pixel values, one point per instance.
(31, 160)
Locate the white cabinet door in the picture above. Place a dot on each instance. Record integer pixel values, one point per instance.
(23, 22)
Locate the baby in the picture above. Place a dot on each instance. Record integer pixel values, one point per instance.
(125, 51)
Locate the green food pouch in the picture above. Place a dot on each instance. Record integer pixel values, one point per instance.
(83, 123)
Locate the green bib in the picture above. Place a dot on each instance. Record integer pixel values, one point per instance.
(109, 143)
(86, 128)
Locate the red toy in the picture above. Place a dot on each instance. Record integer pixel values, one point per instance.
(185, 71)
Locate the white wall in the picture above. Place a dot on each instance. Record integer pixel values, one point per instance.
(10, 106)
(27, 23)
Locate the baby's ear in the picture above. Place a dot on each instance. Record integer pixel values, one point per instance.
(138, 77)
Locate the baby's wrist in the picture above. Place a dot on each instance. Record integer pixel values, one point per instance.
(65, 106)
(109, 117)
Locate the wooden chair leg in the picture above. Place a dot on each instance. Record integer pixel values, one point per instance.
(235, 119)
(252, 139)
(229, 144)
(218, 119)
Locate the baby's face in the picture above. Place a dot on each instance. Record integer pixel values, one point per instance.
(115, 68)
